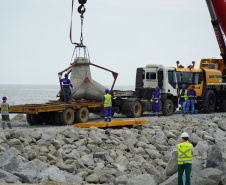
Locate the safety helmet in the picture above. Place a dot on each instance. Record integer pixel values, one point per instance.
(184, 134)
(107, 90)
(66, 75)
(183, 86)
(157, 88)
(4, 98)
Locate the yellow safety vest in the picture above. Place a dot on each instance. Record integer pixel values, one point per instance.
(185, 95)
(184, 153)
(107, 102)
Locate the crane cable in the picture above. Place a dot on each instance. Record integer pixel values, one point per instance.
(81, 10)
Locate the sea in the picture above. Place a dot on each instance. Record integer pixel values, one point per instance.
(34, 94)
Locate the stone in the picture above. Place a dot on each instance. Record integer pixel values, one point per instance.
(215, 160)
(62, 166)
(171, 142)
(75, 179)
(195, 138)
(2, 148)
(99, 154)
(172, 180)
(119, 167)
(95, 137)
(35, 134)
(83, 175)
(153, 153)
(87, 160)
(196, 165)
(116, 132)
(15, 142)
(121, 180)
(93, 178)
(55, 174)
(43, 149)
(172, 166)
(209, 176)
(8, 177)
(222, 125)
(11, 164)
(144, 179)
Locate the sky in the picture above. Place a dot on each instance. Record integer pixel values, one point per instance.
(121, 35)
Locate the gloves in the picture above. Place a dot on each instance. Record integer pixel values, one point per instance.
(157, 101)
(59, 76)
(195, 101)
(72, 87)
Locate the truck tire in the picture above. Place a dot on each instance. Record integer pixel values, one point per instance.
(57, 118)
(222, 106)
(36, 120)
(168, 108)
(67, 117)
(28, 117)
(209, 102)
(82, 115)
(136, 110)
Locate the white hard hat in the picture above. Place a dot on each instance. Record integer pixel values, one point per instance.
(185, 134)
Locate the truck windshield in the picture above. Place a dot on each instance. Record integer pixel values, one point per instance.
(187, 77)
(151, 75)
(178, 73)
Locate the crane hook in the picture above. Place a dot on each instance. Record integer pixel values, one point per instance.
(81, 9)
(82, 1)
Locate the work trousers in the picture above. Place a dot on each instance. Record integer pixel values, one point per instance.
(107, 111)
(192, 104)
(67, 91)
(156, 106)
(5, 119)
(183, 107)
(187, 168)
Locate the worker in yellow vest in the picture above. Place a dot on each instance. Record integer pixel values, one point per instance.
(183, 97)
(107, 105)
(185, 152)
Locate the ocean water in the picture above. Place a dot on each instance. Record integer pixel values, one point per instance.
(32, 94)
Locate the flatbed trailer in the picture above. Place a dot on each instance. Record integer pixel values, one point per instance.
(58, 113)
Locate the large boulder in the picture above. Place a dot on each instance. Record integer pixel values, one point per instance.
(209, 176)
(144, 179)
(215, 160)
(55, 174)
(172, 180)
(172, 166)
(8, 177)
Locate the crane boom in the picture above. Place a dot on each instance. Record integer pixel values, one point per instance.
(217, 27)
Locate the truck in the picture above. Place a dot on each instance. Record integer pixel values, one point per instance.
(210, 78)
(128, 103)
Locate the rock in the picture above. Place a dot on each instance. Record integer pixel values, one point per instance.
(11, 164)
(15, 142)
(62, 166)
(195, 138)
(119, 167)
(196, 165)
(92, 178)
(43, 149)
(153, 153)
(215, 160)
(83, 175)
(171, 180)
(172, 166)
(121, 179)
(55, 174)
(222, 125)
(144, 179)
(8, 177)
(169, 134)
(35, 134)
(209, 176)
(87, 160)
(75, 179)
(99, 154)
(116, 132)
(95, 137)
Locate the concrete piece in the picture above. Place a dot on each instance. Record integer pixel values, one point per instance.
(84, 86)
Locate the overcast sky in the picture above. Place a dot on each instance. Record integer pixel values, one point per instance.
(121, 35)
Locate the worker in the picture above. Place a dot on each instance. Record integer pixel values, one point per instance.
(156, 99)
(66, 87)
(5, 113)
(183, 97)
(107, 105)
(185, 152)
(192, 99)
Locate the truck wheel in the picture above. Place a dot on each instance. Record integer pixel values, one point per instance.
(209, 101)
(82, 115)
(36, 119)
(136, 109)
(67, 117)
(57, 118)
(28, 117)
(222, 106)
(168, 107)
